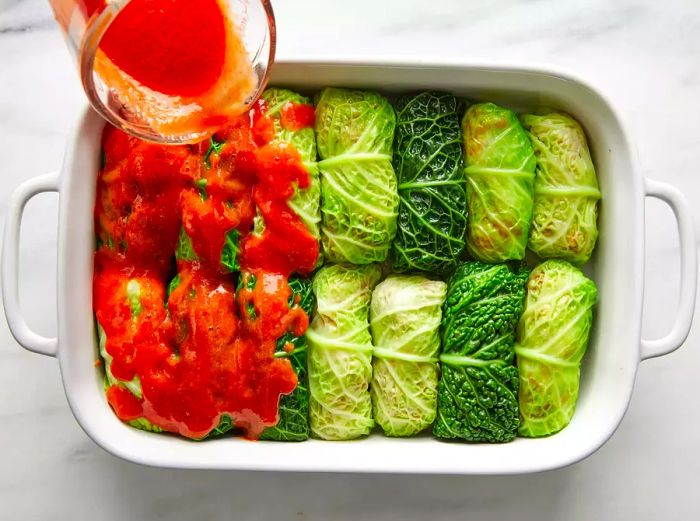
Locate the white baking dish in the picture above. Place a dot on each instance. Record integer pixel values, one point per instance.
(610, 366)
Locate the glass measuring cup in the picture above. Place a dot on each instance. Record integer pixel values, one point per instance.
(141, 109)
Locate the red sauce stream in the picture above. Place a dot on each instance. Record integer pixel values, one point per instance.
(201, 355)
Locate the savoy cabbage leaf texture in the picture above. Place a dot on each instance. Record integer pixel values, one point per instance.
(340, 352)
(564, 222)
(305, 202)
(359, 201)
(500, 183)
(553, 336)
(405, 320)
(293, 416)
(429, 165)
(478, 388)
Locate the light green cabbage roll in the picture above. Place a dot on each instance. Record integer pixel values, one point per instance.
(500, 176)
(564, 222)
(354, 133)
(552, 337)
(306, 202)
(405, 321)
(340, 352)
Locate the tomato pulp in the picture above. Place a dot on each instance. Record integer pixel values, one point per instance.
(196, 350)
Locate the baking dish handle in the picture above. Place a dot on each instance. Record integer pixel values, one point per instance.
(10, 257)
(689, 271)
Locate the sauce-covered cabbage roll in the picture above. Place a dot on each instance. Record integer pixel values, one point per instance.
(293, 115)
(136, 204)
(293, 422)
(129, 308)
(500, 178)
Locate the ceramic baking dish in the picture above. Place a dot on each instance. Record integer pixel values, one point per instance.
(610, 366)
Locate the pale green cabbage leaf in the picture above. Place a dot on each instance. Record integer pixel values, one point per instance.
(500, 183)
(564, 223)
(359, 200)
(405, 320)
(340, 352)
(552, 337)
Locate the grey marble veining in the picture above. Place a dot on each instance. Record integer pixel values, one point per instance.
(644, 55)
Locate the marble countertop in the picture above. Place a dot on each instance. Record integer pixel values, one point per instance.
(644, 55)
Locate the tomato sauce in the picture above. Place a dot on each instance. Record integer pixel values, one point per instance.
(178, 66)
(296, 116)
(138, 188)
(176, 47)
(285, 245)
(206, 351)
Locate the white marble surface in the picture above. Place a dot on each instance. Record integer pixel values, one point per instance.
(643, 54)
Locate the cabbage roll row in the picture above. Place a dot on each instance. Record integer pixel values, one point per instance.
(509, 344)
(373, 352)
(197, 191)
(415, 181)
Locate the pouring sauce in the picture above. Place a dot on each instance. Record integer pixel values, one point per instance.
(179, 67)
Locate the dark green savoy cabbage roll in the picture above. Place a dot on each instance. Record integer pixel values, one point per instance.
(478, 389)
(564, 221)
(359, 203)
(552, 339)
(293, 423)
(500, 183)
(340, 352)
(405, 321)
(429, 165)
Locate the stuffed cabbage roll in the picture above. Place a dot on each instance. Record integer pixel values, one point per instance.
(213, 213)
(564, 222)
(552, 339)
(405, 320)
(136, 345)
(429, 165)
(219, 209)
(282, 107)
(359, 202)
(136, 204)
(129, 308)
(500, 183)
(293, 422)
(340, 352)
(478, 389)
